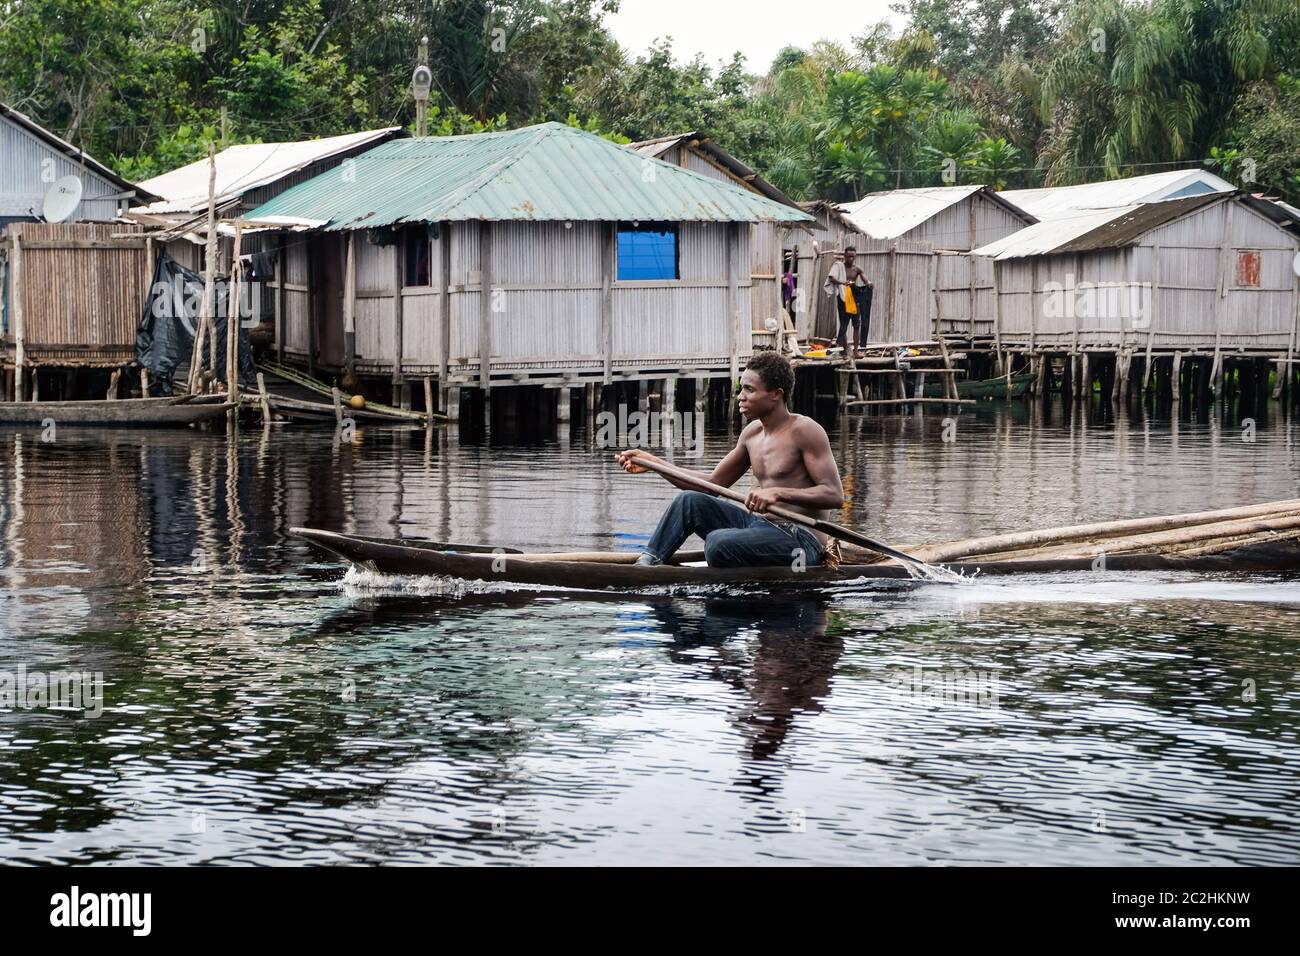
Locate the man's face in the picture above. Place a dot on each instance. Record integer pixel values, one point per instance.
(849, 258)
(755, 400)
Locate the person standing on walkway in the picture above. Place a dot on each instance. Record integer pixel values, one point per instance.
(853, 292)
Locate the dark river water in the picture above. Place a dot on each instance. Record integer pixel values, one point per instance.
(260, 706)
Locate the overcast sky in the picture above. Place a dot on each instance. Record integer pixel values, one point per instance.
(718, 28)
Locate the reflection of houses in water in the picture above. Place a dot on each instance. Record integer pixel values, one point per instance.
(68, 522)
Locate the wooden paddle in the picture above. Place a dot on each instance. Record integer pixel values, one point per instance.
(825, 527)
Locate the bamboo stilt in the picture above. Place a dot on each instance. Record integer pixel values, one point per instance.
(207, 325)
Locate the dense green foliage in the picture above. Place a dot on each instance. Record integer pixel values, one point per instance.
(1008, 92)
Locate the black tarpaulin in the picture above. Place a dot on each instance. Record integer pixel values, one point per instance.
(164, 340)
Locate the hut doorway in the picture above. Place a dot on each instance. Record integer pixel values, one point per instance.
(326, 252)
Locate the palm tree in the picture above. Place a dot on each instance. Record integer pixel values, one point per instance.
(950, 144)
(1131, 84)
(993, 160)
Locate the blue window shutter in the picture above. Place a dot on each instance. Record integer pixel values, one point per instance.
(647, 253)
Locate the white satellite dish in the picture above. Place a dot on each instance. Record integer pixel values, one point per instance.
(62, 199)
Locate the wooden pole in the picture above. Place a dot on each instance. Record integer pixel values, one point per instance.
(608, 242)
(234, 318)
(20, 327)
(733, 322)
(1220, 305)
(311, 247)
(893, 294)
(997, 310)
(350, 306)
(281, 316)
(206, 323)
(485, 307)
(1284, 371)
(444, 314)
(266, 401)
(398, 318)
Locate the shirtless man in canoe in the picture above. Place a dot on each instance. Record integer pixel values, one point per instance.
(791, 458)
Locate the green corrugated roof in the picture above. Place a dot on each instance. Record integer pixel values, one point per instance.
(546, 172)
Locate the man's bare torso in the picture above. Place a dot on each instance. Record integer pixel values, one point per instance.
(777, 460)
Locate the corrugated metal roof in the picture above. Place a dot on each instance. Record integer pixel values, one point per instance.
(706, 145)
(888, 215)
(546, 173)
(248, 166)
(1090, 229)
(76, 155)
(1052, 202)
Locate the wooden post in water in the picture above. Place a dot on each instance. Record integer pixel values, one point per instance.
(265, 399)
(281, 300)
(608, 244)
(732, 299)
(1176, 378)
(350, 305)
(486, 274)
(17, 284)
(206, 324)
(234, 318)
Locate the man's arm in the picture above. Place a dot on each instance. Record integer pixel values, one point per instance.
(726, 473)
(826, 492)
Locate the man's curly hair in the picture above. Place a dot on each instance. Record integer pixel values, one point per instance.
(775, 371)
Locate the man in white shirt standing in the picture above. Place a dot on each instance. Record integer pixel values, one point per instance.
(852, 291)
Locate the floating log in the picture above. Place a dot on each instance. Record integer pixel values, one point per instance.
(1204, 538)
(1015, 541)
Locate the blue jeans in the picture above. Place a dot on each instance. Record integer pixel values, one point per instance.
(733, 537)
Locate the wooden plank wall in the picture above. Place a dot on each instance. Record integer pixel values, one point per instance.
(1179, 287)
(546, 284)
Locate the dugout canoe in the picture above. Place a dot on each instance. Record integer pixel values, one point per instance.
(416, 556)
(985, 388)
(127, 412)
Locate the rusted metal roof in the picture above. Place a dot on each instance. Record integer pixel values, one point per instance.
(702, 142)
(550, 172)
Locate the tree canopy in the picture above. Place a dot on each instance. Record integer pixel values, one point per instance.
(1005, 92)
